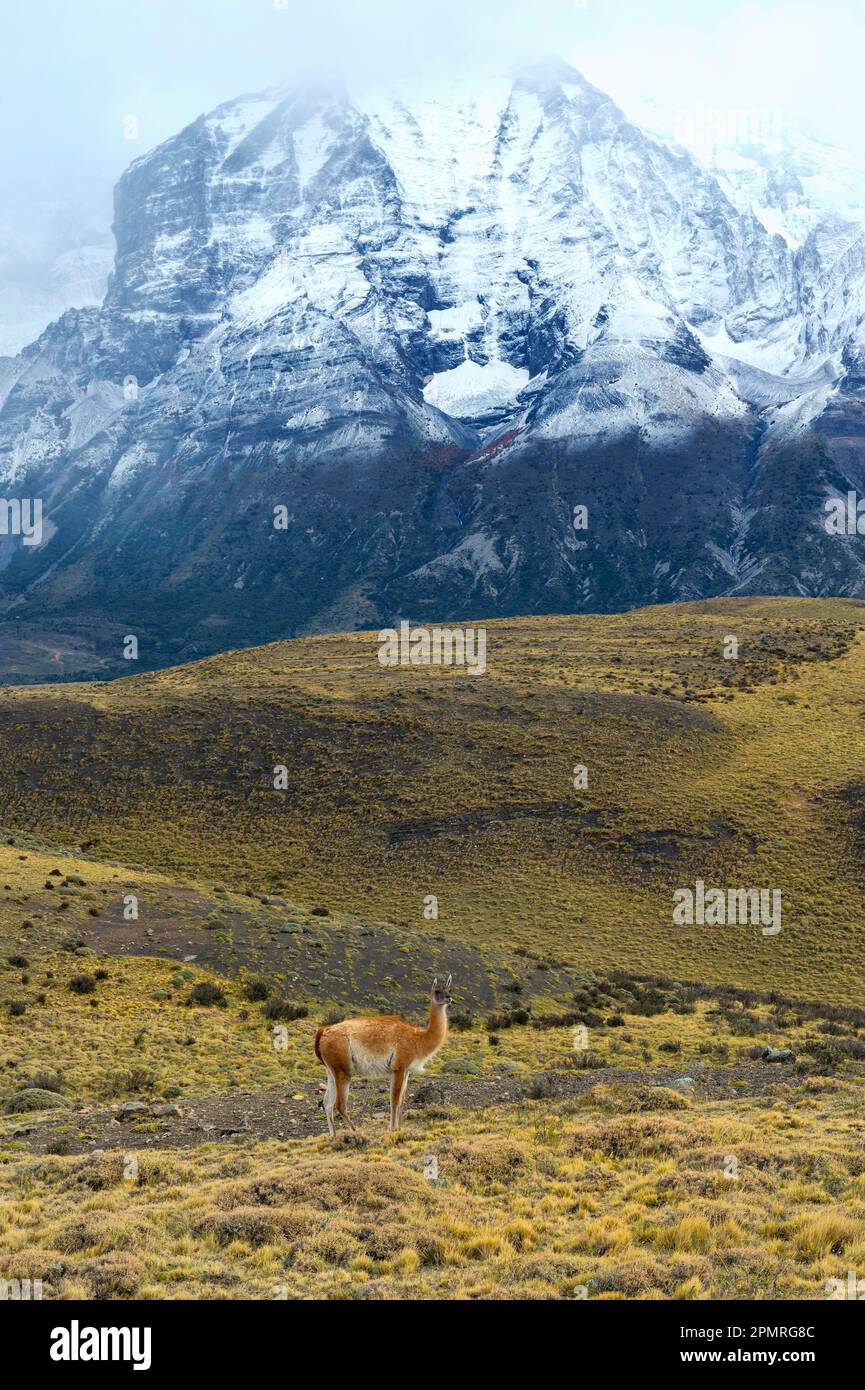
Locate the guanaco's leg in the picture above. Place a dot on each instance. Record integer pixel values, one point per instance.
(397, 1092)
(329, 1098)
(402, 1101)
(342, 1084)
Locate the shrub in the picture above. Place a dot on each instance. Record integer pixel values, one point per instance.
(32, 1098)
(745, 1024)
(135, 1082)
(585, 1060)
(566, 1020)
(45, 1081)
(495, 1022)
(543, 1085)
(461, 1066)
(256, 990)
(831, 1050)
(207, 993)
(82, 984)
(284, 1011)
(462, 1020)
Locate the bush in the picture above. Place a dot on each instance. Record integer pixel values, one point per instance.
(138, 1081)
(283, 1011)
(745, 1024)
(18, 962)
(82, 984)
(542, 1086)
(461, 1020)
(32, 1098)
(586, 1060)
(45, 1081)
(834, 1049)
(207, 993)
(17, 1007)
(256, 990)
(461, 1066)
(496, 1022)
(566, 1020)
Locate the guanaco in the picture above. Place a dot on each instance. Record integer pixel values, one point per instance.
(381, 1046)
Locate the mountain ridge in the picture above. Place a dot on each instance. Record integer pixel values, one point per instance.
(427, 326)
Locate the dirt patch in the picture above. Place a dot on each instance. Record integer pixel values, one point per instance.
(293, 1111)
(360, 963)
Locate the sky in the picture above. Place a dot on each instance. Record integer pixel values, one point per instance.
(74, 70)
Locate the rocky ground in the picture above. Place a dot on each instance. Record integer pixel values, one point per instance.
(279, 1113)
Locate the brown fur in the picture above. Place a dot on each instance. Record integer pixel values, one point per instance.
(384, 1045)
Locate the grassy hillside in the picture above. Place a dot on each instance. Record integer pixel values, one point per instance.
(409, 782)
(159, 1128)
(155, 1147)
(625, 1193)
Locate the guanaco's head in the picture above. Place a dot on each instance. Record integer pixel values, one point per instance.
(441, 994)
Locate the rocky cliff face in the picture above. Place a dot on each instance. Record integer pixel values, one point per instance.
(362, 355)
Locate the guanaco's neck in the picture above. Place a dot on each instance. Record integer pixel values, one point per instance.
(437, 1029)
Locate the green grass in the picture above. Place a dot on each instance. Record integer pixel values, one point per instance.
(409, 783)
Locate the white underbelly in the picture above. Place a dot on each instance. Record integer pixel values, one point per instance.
(367, 1063)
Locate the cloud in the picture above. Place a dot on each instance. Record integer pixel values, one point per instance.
(73, 70)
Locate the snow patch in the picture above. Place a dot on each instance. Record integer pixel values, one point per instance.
(473, 389)
(456, 322)
(312, 145)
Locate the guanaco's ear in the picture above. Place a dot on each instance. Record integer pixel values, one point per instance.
(435, 981)
(448, 985)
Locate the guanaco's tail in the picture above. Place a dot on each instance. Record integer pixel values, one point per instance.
(317, 1048)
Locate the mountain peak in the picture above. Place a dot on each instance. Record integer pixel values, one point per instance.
(552, 70)
(434, 320)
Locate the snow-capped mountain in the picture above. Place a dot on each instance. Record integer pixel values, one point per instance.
(363, 353)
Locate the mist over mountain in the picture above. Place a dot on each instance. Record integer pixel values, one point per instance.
(363, 352)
